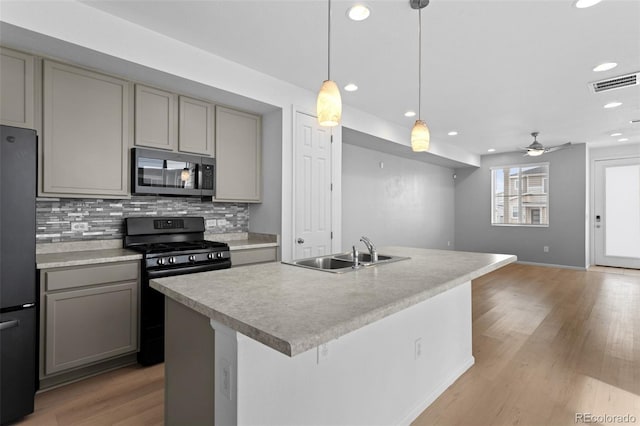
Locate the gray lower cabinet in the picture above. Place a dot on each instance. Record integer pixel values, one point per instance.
(85, 140)
(238, 156)
(17, 89)
(89, 314)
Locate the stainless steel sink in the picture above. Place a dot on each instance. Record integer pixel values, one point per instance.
(324, 263)
(363, 257)
(342, 262)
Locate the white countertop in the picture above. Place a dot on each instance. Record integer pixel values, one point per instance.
(88, 257)
(60, 255)
(293, 309)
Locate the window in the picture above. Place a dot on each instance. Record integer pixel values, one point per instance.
(526, 198)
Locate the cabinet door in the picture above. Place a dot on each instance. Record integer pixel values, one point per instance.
(155, 118)
(89, 325)
(86, 133)
(238, 156)
(196, 126)
(16, 89)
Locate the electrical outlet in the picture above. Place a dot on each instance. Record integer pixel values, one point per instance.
(79, 226)
(323, 353)
(546, 249)
(417, 349)
(448, 243)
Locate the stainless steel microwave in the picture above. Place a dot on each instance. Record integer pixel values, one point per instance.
(169, 173)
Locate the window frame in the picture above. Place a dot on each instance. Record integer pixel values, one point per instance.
(520, 194)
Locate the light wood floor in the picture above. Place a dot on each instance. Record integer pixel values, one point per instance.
(548, 343)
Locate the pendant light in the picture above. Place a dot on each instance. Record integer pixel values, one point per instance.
(420, 133)
(329, 104)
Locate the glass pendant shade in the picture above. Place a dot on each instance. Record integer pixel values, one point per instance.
(329, 104)
(535, 152)
(420, 137)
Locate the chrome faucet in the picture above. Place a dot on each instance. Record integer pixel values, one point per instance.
(371, 247)
(354, 254)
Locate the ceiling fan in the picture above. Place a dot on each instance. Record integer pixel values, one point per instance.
(536, 148)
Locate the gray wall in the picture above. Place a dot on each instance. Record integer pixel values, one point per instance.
(408, 202)
(565, 235)
(266, 217)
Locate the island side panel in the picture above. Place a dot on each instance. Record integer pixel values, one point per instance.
(189, 366)
(370, 376)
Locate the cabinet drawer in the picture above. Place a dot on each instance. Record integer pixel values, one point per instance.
(260, 255)
(61, 278)
(89, 325)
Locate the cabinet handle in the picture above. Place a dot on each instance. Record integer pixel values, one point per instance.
(8, 324)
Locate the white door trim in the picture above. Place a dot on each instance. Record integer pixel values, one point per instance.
(594, 207)
(288, 241)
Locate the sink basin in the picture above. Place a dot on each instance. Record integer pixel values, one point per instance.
(324, 263)
(363, 257)
(342, 262)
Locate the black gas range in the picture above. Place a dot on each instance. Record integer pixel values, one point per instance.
(170, 246)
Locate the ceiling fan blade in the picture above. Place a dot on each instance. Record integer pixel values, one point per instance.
(556, 148)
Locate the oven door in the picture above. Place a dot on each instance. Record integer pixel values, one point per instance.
(165, 173)
(192, 269)
(152, 310)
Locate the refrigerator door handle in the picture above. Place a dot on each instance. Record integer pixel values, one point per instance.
(9, 324)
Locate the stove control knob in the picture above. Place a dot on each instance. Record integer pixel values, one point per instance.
(172, 260)
(161, 261)
(211, 256)
(192, 258)
(219, 255)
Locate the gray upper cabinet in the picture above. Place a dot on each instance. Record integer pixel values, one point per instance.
(86, 133)
(17, 87)
(238, 156)
(155, 118)
(196, 126)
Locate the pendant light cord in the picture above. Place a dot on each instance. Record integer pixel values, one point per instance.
(419, 64)
(329, 41)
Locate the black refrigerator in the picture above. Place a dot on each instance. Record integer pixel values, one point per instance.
(18, 312)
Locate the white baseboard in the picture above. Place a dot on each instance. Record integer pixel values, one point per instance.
(551, 265)
(427, 400)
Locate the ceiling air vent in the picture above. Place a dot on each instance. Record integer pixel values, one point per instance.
(615, 83)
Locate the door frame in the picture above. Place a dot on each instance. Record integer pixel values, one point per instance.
(288, 241)
(592, 197)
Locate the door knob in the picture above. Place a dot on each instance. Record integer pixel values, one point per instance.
(300, 241)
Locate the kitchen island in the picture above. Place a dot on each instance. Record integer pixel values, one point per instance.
(298, 346)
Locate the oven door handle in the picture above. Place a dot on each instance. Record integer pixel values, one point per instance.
(151, 274)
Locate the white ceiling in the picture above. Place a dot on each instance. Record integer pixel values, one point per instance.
(492, 70)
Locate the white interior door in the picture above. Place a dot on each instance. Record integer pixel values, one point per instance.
(312, 188)
(617, 214)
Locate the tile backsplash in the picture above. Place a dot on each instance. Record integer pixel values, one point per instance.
(70, 219)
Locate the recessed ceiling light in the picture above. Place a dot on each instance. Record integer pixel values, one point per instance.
(616, 134)
(623, 139)
(453, 133)
(491, 150)
(358, 12)
(613, 104)
(605, 66)
(410, 114)
(350, 87)
(581, 4)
